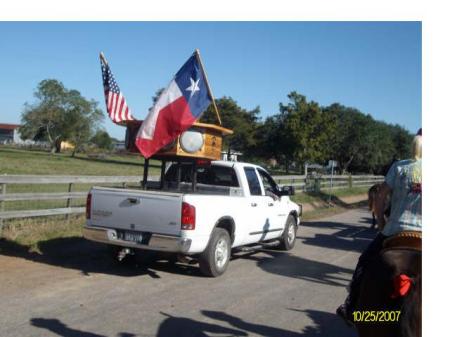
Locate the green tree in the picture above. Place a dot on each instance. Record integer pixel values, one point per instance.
(354, 139)
(402, 140)
(362, 144)
(60, 114)
(102, 140)
(84, 118)
(299, 134)
(244, 124)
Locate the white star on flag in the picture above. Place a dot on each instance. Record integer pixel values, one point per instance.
(194, 87)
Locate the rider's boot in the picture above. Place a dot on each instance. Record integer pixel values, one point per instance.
(345, 311)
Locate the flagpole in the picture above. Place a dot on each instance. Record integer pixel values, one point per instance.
(103, 58)
(197, 54)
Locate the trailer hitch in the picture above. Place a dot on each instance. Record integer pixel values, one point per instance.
(123, 253)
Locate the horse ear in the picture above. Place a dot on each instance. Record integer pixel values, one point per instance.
(402, 285)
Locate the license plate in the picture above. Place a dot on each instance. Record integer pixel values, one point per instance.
(134, 237)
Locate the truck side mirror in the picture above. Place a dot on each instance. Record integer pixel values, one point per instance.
(288, 190)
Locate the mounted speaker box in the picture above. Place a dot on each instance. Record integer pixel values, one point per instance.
(201, 140)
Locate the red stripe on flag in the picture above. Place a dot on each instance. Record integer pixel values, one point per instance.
(110, 99)
(173, 119)
(111, 114)
(128, 115)
(116, 111)
(122, 115)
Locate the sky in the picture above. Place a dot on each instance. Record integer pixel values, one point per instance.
(372, 66)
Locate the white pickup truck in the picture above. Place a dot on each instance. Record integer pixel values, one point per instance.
(225, 205)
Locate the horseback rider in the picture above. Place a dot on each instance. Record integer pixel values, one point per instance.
(403, 183)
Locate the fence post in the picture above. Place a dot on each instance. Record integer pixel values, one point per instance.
(2, 205)
(350, 181)
(317, 182)
(68, 200)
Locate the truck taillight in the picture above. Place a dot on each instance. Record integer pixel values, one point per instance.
(187, 216)
(88, 206)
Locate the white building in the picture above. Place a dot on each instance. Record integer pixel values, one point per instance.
(9, 134)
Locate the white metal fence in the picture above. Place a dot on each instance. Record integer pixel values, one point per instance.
(325, 182)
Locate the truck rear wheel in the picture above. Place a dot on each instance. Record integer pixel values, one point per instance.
(214, 260)
(287, 240)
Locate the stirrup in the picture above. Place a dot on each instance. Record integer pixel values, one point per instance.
(342, 312)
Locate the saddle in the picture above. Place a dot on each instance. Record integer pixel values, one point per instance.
(404, 240)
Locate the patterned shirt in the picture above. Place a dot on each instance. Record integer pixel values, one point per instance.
(405, 180)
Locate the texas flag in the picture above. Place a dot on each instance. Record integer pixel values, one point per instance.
(176, 109)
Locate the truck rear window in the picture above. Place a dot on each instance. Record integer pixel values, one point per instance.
(208, 175)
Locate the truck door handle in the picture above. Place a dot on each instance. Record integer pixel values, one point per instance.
(254, 204)
(270, 203)
(133, 200)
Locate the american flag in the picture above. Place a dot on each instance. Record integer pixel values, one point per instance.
(115, 102)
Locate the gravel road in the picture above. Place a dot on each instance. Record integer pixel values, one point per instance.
(73, 289)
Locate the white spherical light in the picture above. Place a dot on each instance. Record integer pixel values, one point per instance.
(191, 141)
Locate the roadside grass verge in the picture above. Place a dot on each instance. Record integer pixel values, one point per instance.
(329, 211)
(324, 195)
(32, 232)
(329, 203)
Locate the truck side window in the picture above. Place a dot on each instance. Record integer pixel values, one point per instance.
(253, 182)
(268, 182)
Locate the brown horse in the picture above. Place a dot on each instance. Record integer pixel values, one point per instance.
(373, 194)
(384, 308)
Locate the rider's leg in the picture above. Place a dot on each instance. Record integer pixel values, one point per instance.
(369, 253)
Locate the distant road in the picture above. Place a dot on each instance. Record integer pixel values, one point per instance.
(74, 290)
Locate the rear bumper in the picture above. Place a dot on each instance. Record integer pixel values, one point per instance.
(157, 242)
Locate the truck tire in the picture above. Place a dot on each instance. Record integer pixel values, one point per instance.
(287, 240)
(214, 260)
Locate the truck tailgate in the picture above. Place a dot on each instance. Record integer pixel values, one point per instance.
(146, 211)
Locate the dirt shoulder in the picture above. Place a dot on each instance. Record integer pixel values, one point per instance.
(347, 201)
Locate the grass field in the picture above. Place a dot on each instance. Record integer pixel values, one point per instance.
(21, 161)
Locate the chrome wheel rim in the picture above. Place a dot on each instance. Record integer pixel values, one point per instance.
(291, 234)
(221, 253)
